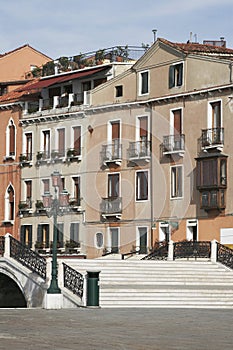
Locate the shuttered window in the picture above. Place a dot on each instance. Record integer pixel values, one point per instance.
(141, 185)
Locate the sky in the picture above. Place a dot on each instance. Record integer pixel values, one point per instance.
(70, 27)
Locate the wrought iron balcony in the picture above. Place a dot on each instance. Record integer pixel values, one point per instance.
(139, 150)
(73, 154)
(75, 204)
(111, 153)
(173, 144)
(111, 207)
(212, 138)
(57, 154)
(25, 159)
(25, 206)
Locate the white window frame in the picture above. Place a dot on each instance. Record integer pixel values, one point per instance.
(6, 205)
(114, 173)
(175, 84)
(42, 140)
(148, 183)
(57, 140)
(140, 83)
(138, 236)
(209, 113)
(109, 238)
(172, 183)
(172, 129)
(25, 140)
(11, 122)
(137, 130)
(191, 223)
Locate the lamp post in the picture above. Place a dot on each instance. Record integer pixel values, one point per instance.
(55, 207)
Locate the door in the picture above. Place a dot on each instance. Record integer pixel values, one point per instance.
(115, 139)
(142, 240)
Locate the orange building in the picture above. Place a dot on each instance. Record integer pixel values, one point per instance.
(15, 70)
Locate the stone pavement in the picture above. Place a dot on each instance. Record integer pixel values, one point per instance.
(121, 329)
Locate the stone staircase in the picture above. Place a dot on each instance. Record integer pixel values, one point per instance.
(180, 283)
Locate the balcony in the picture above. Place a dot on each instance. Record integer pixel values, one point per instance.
(213, 199)
(42, 157)
(212, 138)
(73, 154)
(139, 150)
(111, 207)
(174, 144)
(75, 204)
(25, 207)
(25, 159)
(57, 155)
(111, 153)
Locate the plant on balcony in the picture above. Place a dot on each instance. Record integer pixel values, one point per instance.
(72, 244)
(23, 158)
(22, 205)
(39, 204)
(39, 245)
(59, 244)
(99, 56)
(54, 154)
(39, 156)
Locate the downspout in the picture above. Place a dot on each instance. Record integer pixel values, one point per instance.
(151, 178)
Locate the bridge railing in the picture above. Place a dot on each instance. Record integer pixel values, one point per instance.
(225, 255)
(27, 257)
(73, 280)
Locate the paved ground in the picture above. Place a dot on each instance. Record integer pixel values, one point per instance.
(121, 329)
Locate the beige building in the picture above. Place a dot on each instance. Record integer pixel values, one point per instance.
(146, 155)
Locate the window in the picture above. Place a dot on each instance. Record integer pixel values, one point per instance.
(212, 172)
(141, 185)
(175, 75)
(28, 185)
(77, 140)
(99, 238)
(28, 137)
(10, 139)
(61, 142)
(119, 90)
(26, 235)
(74, 231)
(114, 240)
(45, 185)
(77, 197)
(113, 185)
(176, 181)
(10, 204)
(144, 83)
(3, 90)
(43, 234)
(46, 143)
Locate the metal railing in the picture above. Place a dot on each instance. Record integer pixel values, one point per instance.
(159, 252)
(139, 150)
(112, 205)
(192, 249)
(225, 255)
(28, 257)
(73, 280)
(111, 152)
(212, 137)
(173, 143)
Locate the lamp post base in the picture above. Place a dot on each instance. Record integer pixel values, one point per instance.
(53, 288)
(54, 301)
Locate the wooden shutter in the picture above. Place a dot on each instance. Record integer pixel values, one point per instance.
(77, 139)
(143, 127)
(216, 114)
(177, 122)
(39, 233)
(28, 189)
(12, 139)
(115, 130)
(61, 142)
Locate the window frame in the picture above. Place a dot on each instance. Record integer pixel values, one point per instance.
(177, 191)
(140, 85)
(138, 196)
(173, 80)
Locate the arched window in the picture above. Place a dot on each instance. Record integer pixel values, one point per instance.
(99, 239)
(10, 204)
(10, 139)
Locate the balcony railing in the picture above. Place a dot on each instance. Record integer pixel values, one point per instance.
(139, 150)
(173, 144)
(25, 206)
(73, 153)
(212, 137)
(75, 203)
(57, 154)
(25, 159)
(111, 206)
(111, 153)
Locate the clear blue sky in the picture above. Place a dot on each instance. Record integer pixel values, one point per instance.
(66, 28)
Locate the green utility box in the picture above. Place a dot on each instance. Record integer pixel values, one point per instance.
(93, 288)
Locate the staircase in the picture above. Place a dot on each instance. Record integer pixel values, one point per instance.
(176, 284)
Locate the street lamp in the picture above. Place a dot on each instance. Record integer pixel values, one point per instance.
(55, 207)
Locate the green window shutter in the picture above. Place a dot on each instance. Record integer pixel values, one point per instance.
(39, 233)
(180, 75)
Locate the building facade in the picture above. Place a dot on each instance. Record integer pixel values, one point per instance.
(145, 155)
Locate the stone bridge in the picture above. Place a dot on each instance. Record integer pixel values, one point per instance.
(25, 278)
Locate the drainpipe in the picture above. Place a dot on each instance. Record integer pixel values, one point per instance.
(151, 177)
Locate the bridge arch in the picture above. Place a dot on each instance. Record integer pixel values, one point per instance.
(11, 294)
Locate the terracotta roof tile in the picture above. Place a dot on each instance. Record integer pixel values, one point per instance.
(202, 49)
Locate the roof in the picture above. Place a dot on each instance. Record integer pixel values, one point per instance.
(43, 83)
(201, 49)
(20, 48)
